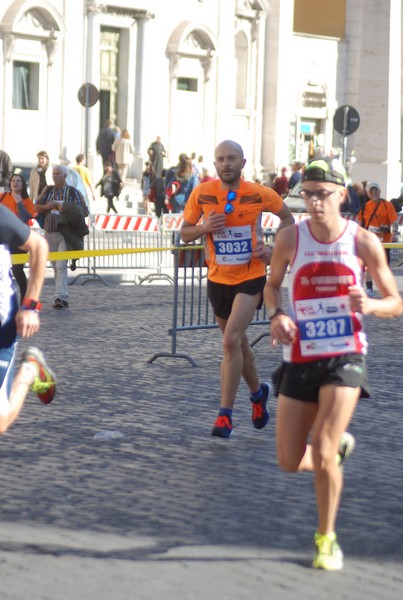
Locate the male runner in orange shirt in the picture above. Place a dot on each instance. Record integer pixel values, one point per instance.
(237, 258)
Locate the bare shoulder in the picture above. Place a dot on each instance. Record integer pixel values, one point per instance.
(287, 236)
(285, 243)
(368, 244)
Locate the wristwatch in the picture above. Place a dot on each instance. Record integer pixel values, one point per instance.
(274, 312)
(29, 304)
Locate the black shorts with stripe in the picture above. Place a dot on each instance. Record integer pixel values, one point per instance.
(303, 381)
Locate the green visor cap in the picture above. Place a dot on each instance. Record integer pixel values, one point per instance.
(322, 170)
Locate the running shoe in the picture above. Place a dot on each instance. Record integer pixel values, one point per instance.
(346, 446)
(222, 427)
(44, 384)
(260, 414)
(328, 554)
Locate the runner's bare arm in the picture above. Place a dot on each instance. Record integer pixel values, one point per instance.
(282, 327)
(371, 251)
(28, 320)
(286, 217)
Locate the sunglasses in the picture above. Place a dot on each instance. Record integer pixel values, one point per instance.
(229, 208)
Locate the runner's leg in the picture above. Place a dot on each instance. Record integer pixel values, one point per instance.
(236, 347)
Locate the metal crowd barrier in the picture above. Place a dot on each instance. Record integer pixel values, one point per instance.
(154, 236)
(146, 233)
(191, 309)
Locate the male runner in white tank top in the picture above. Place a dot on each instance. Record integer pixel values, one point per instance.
(323, 372)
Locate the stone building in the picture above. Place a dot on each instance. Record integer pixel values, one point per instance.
(268, 73)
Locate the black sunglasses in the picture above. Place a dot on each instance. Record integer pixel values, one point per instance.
(229, 208)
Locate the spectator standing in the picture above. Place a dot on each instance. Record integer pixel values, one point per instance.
(145, 187)
(85, 174)
(378, 216)
(40, 176)
(295, 174)
(227, 211)
(49, 204)
(19, 203)
(187, 180)
(397, 203)
(205, 176)
(111, 185)
(123, 149)
(280, 183)
(6, 169)
(156, 152)
(33, 373)
(157, 194)
(323, 373)
(352, 201)
(105, 140)
(196, 167)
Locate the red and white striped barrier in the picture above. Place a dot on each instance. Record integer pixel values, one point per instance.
(172, 221)
(126, 223)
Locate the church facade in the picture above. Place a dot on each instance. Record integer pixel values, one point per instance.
(268, 73)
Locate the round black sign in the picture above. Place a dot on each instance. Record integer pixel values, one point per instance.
(88, 94)
(346, 120)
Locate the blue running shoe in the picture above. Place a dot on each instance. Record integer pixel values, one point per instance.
(222, 427)
(260, 414)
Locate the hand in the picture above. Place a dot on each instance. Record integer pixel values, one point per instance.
(263, 252)
(359, 301)
(27, 322)
(283, 330)
(215, 222)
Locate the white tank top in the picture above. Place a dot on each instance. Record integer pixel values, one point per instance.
(318, 296)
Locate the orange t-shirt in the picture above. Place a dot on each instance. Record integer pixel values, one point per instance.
(376, 214)
(229, 255)
(8, 201)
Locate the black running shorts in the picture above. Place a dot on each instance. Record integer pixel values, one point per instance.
(222, 296)
(303, 381)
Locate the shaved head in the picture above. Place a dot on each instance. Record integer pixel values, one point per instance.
(229, 162)
(229, 146)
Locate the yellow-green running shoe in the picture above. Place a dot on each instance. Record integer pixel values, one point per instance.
(328, 554)
(346, 446)
(44, 385)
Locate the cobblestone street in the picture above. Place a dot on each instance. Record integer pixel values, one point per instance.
(164, 510)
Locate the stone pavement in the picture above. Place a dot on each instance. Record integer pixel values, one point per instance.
(165, 511)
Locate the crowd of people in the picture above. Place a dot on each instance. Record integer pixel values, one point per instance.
(331, 264)
(167, 189)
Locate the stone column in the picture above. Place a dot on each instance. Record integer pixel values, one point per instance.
(92, 75)
(394, 149)
(138, 98)
(258, 37)
(377, 141)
